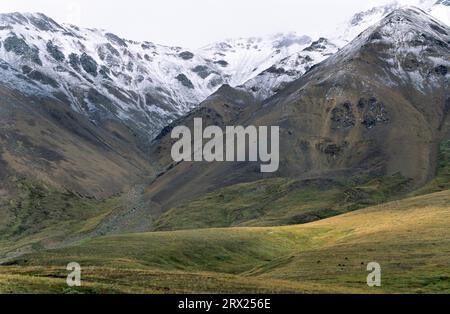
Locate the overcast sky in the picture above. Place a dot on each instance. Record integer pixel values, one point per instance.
(194, 23)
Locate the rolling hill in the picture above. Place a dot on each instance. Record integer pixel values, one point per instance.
(409, 238)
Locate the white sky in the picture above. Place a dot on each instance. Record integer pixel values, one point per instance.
(194, 23)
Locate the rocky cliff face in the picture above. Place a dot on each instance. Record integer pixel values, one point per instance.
(275, 78)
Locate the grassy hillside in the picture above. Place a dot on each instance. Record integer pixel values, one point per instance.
(442, 179)
(37, 216)
(276, 202)
(409, 238)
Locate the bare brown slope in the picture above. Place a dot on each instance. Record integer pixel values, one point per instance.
(227, 106)
(42, 139)
(378, 107)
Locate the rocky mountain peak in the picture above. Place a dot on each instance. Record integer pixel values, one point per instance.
(360, 17)
(406, 30)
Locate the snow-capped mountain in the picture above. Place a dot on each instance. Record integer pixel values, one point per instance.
(413, 49)
(102, 75)
(289, 69)
(377, 107)
(270, 81)
(359, 22)
(244, 58)
(145, 84)
(148, 85)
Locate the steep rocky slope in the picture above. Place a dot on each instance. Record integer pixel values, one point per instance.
(100, 74)
(43, 140)
(389, 86)
(56, 166)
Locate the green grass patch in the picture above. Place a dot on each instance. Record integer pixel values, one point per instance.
(280, 201)
(442, 179)
(409, 238)
(43, 214)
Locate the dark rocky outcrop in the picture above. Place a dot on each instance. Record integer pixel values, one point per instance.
(21, 48)
(116, 39)
(55, 52)
(222, 63)
(202, 71)
(342, 117)
(186, 55)
(88, 64)
(42, 78)
(183, 79)
(74, 61)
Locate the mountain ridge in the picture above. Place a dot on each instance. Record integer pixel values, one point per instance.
(143, 84)
(343, 119)
(146, 85)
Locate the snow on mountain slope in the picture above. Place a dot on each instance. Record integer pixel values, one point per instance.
(101, 74)
(293, 67)
(359, 22)
(441, 11)
(243, 58)
(142, 83)
(289, 69)
(148, 85)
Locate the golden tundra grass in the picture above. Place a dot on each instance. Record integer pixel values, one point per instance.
(409, 238)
